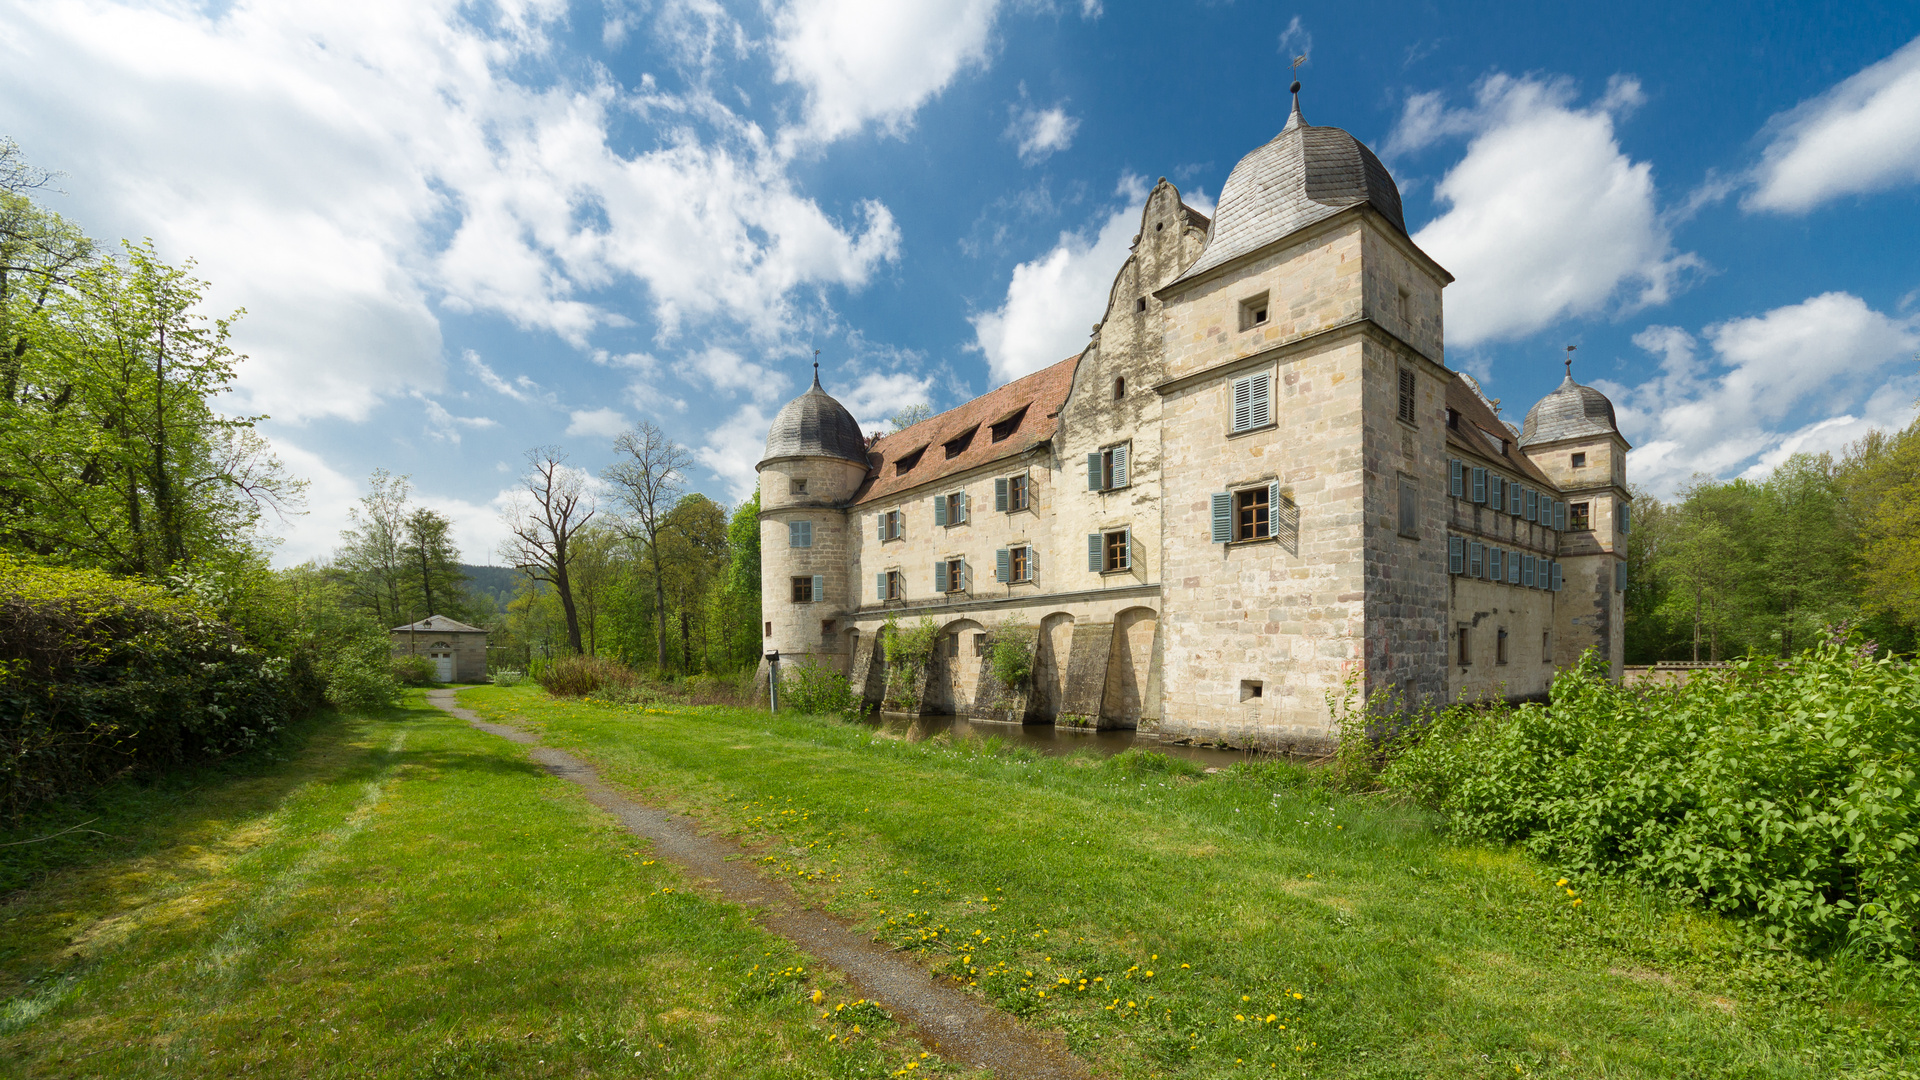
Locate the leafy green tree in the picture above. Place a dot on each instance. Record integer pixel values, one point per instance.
(433, 564)
(373, 556)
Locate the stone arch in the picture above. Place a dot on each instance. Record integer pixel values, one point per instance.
(954, 669)
(1050, 666)
(1133, 686)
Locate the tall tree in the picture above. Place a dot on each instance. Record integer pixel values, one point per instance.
(695, 535)
(647, 476)
(433, 561)
(374, 554)
(552, 505)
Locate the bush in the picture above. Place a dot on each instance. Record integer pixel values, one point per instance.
(504, 677)
(909, 653)
(581, 676)
(1011, 655)
(413, 670)
(1786, 793)
(100, 675)
(358, 685)
(816, 689)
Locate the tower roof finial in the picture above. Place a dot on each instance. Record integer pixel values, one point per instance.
(816, 369)
(1294, 119)
(1570, 349)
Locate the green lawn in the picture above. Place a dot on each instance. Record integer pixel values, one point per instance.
(394, 897)
(1229, 925)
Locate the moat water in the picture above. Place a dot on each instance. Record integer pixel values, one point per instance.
(1048, 739)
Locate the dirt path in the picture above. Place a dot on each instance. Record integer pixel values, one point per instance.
(943, 1016)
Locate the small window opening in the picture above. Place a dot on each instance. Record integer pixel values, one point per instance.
(953, 644)
(957, 508)
(1546, 646)
(1579, 516)
(1579, 461)
(1158, 225)
(826, 629)
(1117, 555)
(1140, 304)
(797, 487)
(956, 576)
(979, 644)
(1253, 312)
(1466, 650)
(803, 590)
(896, 586)
(1409, 409)
(1453, 419)
(1250, 689)
(1119, 387)
(1020, 564)
(1252, 513)
(1400, 308)
(768, 632)
(1500, 646)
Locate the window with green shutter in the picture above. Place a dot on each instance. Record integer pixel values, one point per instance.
(800, 534)
(1000, 494)
(1456, 555)
(819, 587)
(1496, 492)
(939, 510)
(1002, 565)
(1222, 516)
(1476, 554)
(940, 576)
(1253, 401)
(1093, 471)
(1479, 485)
(1456, 478)
(880, 588)
(1093, 552)
(1526, 571)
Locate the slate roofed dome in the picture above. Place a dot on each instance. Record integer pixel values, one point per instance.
(815, 425)
(1305, 174)
(1572, 411)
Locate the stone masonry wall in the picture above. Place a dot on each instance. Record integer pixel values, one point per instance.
(798, 630)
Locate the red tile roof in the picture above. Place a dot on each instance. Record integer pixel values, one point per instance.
(1041, 394)
(1474, 414)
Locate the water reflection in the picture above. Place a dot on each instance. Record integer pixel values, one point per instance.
(1051, 740)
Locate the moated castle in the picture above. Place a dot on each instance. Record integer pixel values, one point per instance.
(1258, 480)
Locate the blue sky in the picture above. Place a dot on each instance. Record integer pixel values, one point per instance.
(465, 230)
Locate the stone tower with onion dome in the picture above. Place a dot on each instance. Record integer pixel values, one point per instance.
(816, 459)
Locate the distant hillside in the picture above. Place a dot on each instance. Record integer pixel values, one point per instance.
(498, 583)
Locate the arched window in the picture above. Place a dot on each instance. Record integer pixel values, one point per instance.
(1119, 387)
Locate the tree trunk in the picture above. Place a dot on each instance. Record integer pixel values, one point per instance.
(1696, 624)
(686, 643)
(426, 580)
(659, 605)
(564, 586)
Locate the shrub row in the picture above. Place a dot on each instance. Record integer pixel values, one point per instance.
(99, 675)
(608, 679)
(1783, 793)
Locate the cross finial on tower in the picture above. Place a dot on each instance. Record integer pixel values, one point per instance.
(816, 367)
(1570, 349)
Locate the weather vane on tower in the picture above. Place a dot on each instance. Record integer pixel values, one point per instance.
(1570, 349)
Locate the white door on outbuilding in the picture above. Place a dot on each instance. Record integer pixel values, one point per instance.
(443, 667)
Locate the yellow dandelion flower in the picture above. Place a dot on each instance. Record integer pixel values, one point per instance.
(1560, 883)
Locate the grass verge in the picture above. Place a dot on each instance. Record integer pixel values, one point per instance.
(396, 896)
(1174, 925)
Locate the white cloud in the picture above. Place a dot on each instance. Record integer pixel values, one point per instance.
(1296, 41)
(1053, 301)
(1863, 135)
(879, 395)
(520, 389)
(1546, 216)
(1037, 133)
(735, 447)
(1808, 377)
(445, 426)
(315, 158)
(875, 60)
(727, 372)
(605, 423)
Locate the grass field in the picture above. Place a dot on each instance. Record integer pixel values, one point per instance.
(397, 897)
(404, 896)
(1231, 925)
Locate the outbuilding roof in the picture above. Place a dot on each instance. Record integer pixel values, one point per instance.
(1303, 175)
(440, 624)
(1026, 410)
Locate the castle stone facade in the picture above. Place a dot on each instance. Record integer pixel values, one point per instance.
(1258, 485)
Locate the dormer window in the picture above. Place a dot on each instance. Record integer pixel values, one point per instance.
(909, 460)
(1008, 426)
(959, 443)
(1253, 312)
(1453, 419)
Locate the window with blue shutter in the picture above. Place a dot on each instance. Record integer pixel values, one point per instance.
(799, 534)
(1456, 478)
(1513, 568)
(963, 504)
(1559, 516)
(1093, 552)
(1252, 401)
(1456, 555)
(940, 576)
(1479, 485)
(1533, 505)
(1476, 553)
(1120, 465)
(881, 521)
(1558, 577)
(1275, 524)
(1496, 491)
(1496, 564)
(1093, 471)
(880, 587)
(939, 509)
(819, 587)
(1002, 565)
(1526, 571)
(1126, 550)
(1000, 494)
(1626, 518)
(1222, 516)
(1619, 577)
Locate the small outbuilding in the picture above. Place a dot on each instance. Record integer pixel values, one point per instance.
(458, 651)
